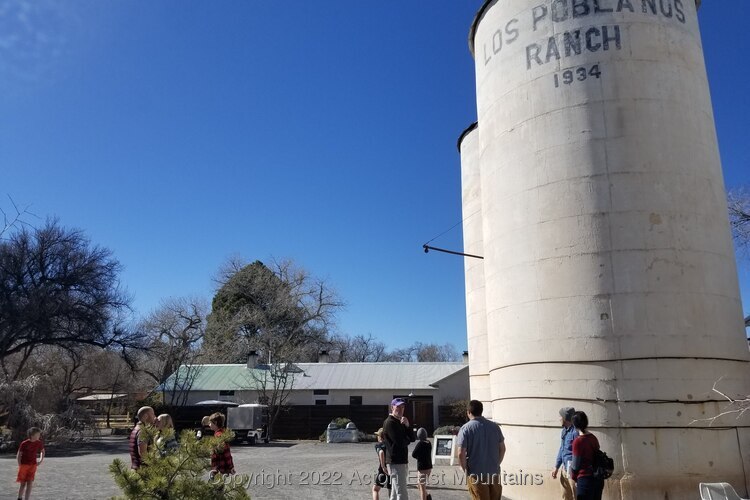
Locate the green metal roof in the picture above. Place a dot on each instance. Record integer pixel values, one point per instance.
(385, 375)
(214, 378)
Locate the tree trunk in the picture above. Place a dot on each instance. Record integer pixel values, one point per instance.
(112, 398)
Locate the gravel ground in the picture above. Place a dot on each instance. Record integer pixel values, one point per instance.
(284, 470)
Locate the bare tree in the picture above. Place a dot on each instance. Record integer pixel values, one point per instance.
(436, 352)
(739, 216)
(58, 289)
(281, 308)
(401, 355)
(174, 332)
(65, 366)
(13, 219)
(180, 383)
(227, 269)
(274, 382)
(105, 371)
(58, 375)
(360, 349)
(422, 352)
(74, 370)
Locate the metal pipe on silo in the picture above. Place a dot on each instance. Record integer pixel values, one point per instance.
(610, 279)
(476, 313)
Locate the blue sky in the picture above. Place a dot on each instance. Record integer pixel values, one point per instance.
(178, 133)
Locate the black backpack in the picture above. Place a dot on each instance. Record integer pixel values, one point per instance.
(603, 466)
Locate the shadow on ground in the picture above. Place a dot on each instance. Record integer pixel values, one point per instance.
(120, 445)
(272, 444)
(101, 445)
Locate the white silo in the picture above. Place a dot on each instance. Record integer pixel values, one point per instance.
(610, 279)
(476, 312)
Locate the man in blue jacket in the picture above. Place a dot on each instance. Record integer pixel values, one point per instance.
(565, 453)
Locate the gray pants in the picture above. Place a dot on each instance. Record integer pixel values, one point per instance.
(399, 478)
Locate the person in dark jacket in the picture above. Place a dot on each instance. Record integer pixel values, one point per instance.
(397, 435)
(585, 445)
(423, 453)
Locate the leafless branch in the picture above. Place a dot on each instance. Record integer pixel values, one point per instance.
(736, 406)
(16, 218)
(739, 216)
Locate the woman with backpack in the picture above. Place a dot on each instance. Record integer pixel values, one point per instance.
(585, 446)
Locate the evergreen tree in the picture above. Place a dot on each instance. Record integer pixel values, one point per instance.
(178, 473)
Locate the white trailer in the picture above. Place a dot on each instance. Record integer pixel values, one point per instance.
(249, 422)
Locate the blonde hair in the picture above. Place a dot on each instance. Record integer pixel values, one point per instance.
(166, 421)
(218, 419)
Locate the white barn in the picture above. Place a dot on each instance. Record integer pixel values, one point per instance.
(428, 386)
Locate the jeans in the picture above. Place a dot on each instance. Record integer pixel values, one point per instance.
(589, 488)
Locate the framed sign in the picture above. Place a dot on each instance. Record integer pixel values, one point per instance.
(444, 448)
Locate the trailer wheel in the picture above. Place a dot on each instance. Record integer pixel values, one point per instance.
(252, 440)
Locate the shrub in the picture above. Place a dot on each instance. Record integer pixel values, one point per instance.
(446, 430)
(179, 474)
(6, 441)
(456, 412)
(341, 422)
(68, 425)
(25, 401)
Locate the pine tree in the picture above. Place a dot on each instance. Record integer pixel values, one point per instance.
(176, 473)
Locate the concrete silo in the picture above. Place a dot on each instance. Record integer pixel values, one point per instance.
(610, 279)
(476, 312)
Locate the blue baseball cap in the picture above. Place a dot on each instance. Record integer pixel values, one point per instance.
(398, 402)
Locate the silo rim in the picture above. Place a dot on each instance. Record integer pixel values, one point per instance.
(475, 23)
(466, 132)
(485, 6)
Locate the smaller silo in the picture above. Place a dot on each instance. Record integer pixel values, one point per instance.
(476, 310)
